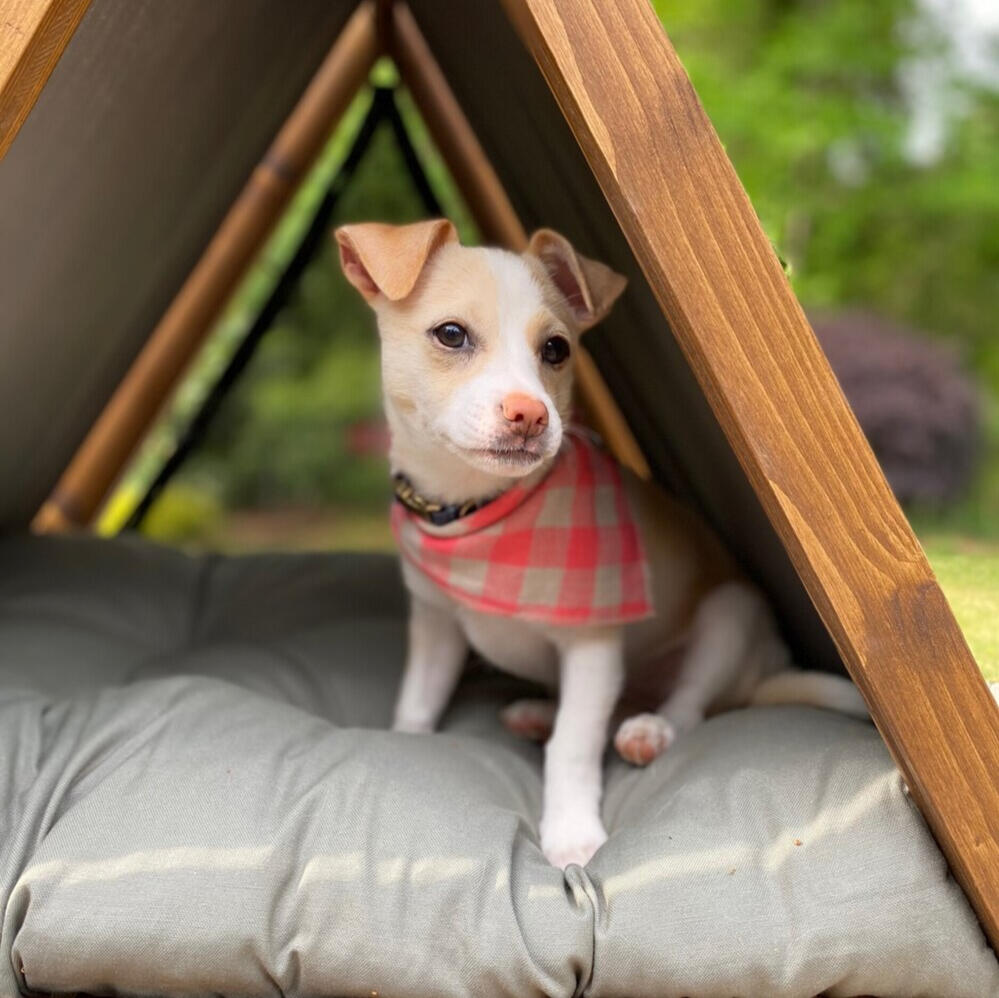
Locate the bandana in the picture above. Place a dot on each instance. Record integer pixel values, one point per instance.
(565, 551)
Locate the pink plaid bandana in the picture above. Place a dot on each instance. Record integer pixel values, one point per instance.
(566, 551)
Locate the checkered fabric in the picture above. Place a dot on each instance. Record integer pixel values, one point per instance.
(564, 552)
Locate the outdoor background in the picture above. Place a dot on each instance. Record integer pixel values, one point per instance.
(867, 136)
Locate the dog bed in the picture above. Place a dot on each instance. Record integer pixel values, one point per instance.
(198, 797)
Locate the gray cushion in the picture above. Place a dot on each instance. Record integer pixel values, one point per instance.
(196, 799)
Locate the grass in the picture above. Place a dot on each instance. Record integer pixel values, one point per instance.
(968, 572)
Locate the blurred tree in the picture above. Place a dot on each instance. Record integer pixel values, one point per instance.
(920, 412)
(809, 98)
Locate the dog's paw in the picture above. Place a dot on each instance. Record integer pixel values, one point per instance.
(570, 839)
(530, 718)
(642, 738)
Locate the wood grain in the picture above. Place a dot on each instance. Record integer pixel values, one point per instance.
(33, 34)
(178, 335)
(490, 206)
(695, 235)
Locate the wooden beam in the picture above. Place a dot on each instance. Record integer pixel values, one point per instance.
(695, 235)
(33, 35)
(179, 334)
(489, 205)
(453, 135)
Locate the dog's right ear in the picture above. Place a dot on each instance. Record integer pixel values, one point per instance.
(388, 259)
(588, 287)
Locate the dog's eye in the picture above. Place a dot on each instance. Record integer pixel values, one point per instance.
(451, 335)
(555, 350)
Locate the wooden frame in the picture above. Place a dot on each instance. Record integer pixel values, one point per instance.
(658, 161)
(676, 197)
(128, 415)
(373, 30)
(33, 34)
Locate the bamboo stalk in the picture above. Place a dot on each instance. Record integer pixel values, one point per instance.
(489, 205)
(125, 420)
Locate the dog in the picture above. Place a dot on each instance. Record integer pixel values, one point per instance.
(522, 539)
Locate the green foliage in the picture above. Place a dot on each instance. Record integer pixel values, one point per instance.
(181, 513)
(806, 96)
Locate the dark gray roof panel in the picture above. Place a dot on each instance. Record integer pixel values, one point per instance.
(148, 128)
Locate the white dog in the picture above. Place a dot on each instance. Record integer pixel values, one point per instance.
(527, 542)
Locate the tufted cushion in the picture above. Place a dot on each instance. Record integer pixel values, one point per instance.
(196, 798)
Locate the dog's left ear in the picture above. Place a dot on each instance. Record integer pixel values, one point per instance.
(588, 287)
(388, 259)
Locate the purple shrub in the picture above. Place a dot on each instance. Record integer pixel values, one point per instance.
(918, 408)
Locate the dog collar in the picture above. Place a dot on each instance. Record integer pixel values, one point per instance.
(438, 514)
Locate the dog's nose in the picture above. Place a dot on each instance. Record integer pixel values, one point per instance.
(527, 416)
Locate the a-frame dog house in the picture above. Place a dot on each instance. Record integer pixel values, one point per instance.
(724, 391)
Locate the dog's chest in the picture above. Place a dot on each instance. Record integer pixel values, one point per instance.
(511, 645)
(516, 646)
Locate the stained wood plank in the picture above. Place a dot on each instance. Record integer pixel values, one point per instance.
(695, 235)
(33, 34)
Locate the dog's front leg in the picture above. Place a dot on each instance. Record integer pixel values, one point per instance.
(434, 660)
(592, 671)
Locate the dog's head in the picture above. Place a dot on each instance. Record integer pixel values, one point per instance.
(478, 345)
